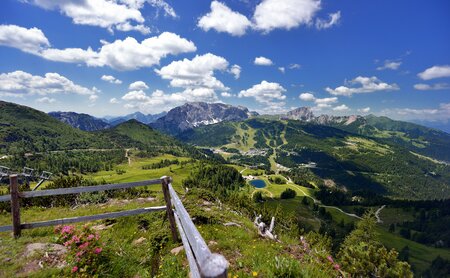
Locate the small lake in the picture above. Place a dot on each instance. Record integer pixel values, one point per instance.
(258, 183)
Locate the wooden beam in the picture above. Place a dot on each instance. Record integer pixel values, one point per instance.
(165, 188)
(187, 248)
(80, 189)
(210, 265)
(85, 218)
(15, 205)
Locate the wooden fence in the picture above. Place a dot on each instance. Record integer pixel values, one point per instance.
(202, 262)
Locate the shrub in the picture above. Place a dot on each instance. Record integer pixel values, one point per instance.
(86, 254)
(288, 194)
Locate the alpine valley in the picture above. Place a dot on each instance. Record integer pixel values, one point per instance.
(321, 173)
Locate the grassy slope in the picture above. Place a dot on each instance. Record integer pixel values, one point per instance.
(21, 126)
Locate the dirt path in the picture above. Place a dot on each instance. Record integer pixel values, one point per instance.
(377, 214)
(127, 156)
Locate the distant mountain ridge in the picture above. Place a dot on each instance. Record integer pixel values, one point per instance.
(79, 120)
(195, 114)
(140, 117)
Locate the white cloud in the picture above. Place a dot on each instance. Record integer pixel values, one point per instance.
(367, 85)
(114, 101)
(388, 64)
(111, 79)
(127, 54)
(101, 13)
(364, 110)
(435, 72)
(284, 14)
(294, 66)
(46, 100)
(282, 69)
(427, 87)
(195, 73)
(22, 83)
(168, 10)
(262, 61)
(93, 98)
(28, 40)
(236, 71)
(341, 108)
(226, 94)
(307, 97)
(326, 100)
(333, 19)
(320, 102)
(159, 101)
(138, 85)
(441, 113)
(122, 15)
(223, 19)
(265, 92)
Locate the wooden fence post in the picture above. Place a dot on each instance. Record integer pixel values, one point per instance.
(165, 187)
(15, 205)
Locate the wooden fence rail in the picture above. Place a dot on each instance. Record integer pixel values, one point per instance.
(202, 262)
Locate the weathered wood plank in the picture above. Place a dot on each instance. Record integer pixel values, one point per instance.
(191, 259)
(165, 183)
(15, 205)
(211, 265)
(80, 189)
(85, 218)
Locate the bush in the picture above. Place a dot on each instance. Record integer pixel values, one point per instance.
(288, 194)
(86, 254)
(258, 197)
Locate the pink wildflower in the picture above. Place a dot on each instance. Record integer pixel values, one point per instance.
(84, 245)
(330, 259)
(74, 269)
(98, 250)
(91, 236)
(336, 266)
(76, 239)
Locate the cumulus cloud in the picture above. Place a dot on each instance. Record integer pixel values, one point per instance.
(294, 66)
(127, 54)
(282, 69)
(93, 98)
(262, 61)
(30, 40)
(114, 100)
(195, 73)
(366, 85)
(428, 87)
(440, 113)
(226, 94)
(47, 100)
(320, 102)
(159, 101)
(236, 71)
(223, 19)
(138, 85)
(388, 64)
(364, 110)
(21, 83)
(111, 79)
(341, 108)
(122, 15)
(284, 14)
(265, 92)
(195, 77)
(307, 97)
(333, 19)
(435, 72)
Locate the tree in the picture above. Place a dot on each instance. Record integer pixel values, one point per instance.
(362, 255)
(258, 197)
(288, 194)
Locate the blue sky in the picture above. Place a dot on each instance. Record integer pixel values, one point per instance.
(339, 57)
